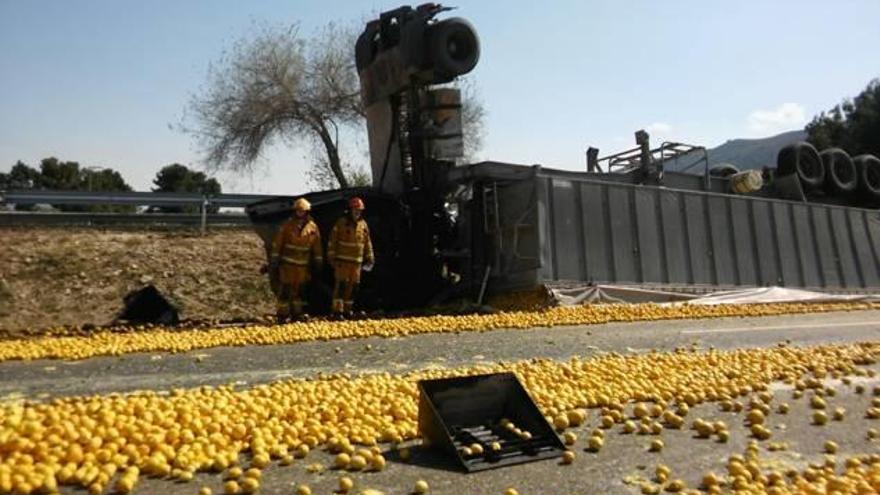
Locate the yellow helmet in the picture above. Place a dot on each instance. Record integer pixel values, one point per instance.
(302, 204)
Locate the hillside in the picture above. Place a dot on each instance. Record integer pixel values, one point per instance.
(747, 153)
(754, 153)
(65, 276)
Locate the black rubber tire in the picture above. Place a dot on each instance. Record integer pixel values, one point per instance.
(840, 172)
(723, 170)
(803, 159)
(868, 170)
(454, 47)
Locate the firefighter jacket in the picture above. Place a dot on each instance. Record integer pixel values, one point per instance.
(350, 242)
(295, 246)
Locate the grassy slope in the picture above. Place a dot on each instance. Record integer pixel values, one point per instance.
(63, 276)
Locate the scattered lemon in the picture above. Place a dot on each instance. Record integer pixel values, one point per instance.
(230, 487)
(345, 484)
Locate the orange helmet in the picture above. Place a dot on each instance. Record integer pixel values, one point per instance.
(356, 203)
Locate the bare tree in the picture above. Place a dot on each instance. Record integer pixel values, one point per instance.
(282, 86)
(278, 86)
(473, 116)
(320, 176)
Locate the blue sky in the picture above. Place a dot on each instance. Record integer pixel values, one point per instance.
(105, 82)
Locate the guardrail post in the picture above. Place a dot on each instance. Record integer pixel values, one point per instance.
(204, 214)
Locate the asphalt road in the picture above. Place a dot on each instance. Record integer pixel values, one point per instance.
(617, 468)
(249, 365)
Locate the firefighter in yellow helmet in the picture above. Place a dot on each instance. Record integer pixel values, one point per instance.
(296, 248)
(348, 250)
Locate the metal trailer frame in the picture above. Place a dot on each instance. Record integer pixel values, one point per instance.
(533, 226)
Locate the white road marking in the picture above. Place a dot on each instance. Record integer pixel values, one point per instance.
(784, 327)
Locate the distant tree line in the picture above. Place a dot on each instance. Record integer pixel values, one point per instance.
(178, 178)
(853, 125)
(54, 174)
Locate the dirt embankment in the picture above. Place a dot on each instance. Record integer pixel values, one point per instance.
(51, 277)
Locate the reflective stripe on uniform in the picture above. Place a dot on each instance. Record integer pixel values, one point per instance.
(294, 261)
(298, 255)
(350, 259)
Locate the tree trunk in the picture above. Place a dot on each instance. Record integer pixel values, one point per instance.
(332, 155)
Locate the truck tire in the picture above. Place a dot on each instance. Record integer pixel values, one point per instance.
(454, 47)
(723, 170)
(803, 159)
(840, 172)
(868, 170)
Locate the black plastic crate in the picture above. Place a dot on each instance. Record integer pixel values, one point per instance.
(493, 411)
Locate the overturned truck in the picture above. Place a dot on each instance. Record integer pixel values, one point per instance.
(443, 229)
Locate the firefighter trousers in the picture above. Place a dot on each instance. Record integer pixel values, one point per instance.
(293, 280)
(347, 277)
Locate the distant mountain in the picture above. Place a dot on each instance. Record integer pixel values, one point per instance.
(745, 154)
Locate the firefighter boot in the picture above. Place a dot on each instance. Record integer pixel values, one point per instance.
(338, 306)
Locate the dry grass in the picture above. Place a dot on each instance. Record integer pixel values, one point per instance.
(63, 276)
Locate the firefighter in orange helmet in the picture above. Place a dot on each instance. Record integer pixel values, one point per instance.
(349, 250)
(296, 248)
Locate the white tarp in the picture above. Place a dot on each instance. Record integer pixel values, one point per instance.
(779, 295)
(570, 296)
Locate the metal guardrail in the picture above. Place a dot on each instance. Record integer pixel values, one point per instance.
(202, 201)
(24, 218)
(129, 198)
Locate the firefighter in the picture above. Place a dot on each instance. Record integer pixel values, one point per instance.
(296, 249)
(349, 250)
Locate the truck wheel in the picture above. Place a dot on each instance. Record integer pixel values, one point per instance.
(840, 172)
(723, 170)
(454, 47)
(868, 169)
(803, 159)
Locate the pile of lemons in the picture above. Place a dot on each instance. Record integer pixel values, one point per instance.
(99, 442)
(525, 300)
(170, 340)
(748, 473)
